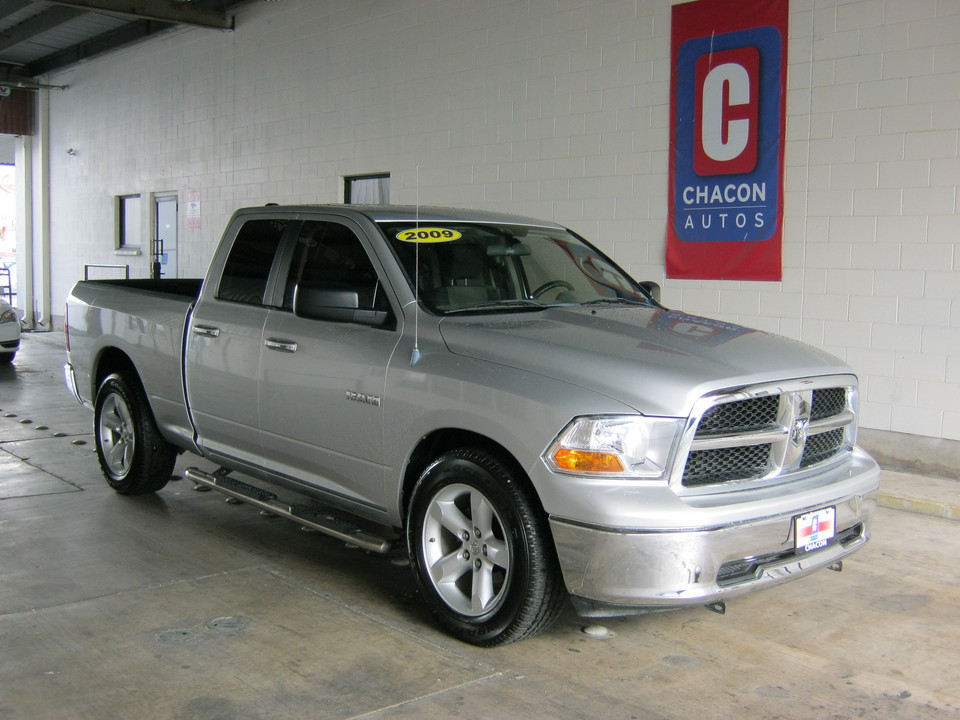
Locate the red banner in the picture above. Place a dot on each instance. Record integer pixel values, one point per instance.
(728, 120)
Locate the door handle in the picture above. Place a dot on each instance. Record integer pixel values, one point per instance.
(206, 330)
(280, 345)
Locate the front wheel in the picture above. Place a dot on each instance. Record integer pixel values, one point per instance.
(481, 551)
(134, 457)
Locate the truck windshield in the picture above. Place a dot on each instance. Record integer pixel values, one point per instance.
(483, 268)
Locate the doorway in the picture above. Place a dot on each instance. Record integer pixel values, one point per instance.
(8, 231)
(165, 237)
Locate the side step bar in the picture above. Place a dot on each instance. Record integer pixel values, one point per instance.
(311, 517)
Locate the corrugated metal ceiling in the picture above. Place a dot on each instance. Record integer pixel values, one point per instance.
(35, 42)
(40, 36)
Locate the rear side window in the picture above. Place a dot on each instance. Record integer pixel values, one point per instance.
(245, 274)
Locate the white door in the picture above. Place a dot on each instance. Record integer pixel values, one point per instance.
(165, 237)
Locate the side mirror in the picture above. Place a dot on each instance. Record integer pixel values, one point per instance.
(335, 306)
(652, 289)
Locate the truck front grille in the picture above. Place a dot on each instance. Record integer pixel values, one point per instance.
(705, 467)
(828, 402)
(821, 447)
(740, 416)
(764, 433)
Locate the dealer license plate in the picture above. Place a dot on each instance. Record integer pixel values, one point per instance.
(816, 529)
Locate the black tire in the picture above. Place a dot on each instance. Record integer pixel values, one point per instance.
(502, 580)
(134, 457)
(7, 358)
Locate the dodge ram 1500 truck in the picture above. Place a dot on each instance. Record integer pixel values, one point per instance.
(491, 392)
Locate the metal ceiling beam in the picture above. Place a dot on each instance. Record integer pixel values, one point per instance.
(167, 11)
(113, 40)
(36, 25)
(9, 7)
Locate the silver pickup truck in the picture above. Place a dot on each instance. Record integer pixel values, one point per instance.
(489, 391)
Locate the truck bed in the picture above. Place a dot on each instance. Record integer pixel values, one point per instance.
(138, 322)
(182, 287)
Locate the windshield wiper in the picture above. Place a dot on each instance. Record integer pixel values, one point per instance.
(616, 301)
(495, 305)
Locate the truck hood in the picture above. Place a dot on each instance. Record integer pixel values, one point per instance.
(658, 362)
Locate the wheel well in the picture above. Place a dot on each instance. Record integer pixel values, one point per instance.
(440, 441)
(111, 361)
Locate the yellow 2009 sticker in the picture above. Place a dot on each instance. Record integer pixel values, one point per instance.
(428, 235)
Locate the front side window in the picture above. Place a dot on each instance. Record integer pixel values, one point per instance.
(329, 257)
(248, 266)
(479, 267)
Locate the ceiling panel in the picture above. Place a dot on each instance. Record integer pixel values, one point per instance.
(40, 36)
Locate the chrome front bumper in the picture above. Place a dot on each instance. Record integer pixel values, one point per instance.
(621, 572)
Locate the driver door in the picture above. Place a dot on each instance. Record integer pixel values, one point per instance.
(321, 390)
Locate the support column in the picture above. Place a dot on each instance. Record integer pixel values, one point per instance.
(24, 169)
(41, 216)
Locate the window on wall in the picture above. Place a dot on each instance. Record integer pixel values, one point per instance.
(128, 222)
(367, 189)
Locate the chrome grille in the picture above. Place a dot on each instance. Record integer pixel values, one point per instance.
(828, 402)
(765, 432)
(705, 467)
(821, 447)
(740, 416)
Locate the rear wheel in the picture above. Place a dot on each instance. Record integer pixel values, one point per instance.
(134, 457)
(481, 551)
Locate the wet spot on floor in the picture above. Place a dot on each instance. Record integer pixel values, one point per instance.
(901, 603)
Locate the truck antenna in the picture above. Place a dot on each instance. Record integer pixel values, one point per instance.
(415, 355)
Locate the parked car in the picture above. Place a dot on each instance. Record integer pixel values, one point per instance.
(491, 392)
(9, 332)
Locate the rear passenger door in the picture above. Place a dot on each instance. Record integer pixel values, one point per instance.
(225, 337)
(322, 380)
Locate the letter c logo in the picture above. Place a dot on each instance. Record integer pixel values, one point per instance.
(725, 112)
(724, 140)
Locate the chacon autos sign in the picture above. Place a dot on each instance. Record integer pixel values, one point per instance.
(728, 115)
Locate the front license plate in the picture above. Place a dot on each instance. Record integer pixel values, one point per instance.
(816, 529)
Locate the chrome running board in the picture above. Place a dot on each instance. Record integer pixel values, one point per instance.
(314, 518)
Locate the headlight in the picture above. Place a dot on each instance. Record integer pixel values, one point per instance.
(9, 316)
(615, 445)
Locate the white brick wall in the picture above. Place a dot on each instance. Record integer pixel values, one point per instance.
(558, 109)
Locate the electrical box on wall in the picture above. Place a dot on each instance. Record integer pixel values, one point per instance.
(17, 112)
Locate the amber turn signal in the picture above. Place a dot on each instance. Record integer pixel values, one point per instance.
(580, 461)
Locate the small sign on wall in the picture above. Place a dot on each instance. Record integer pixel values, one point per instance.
(728, 119)
(193, 209)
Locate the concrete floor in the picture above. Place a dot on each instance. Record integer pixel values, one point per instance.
(180, 605)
